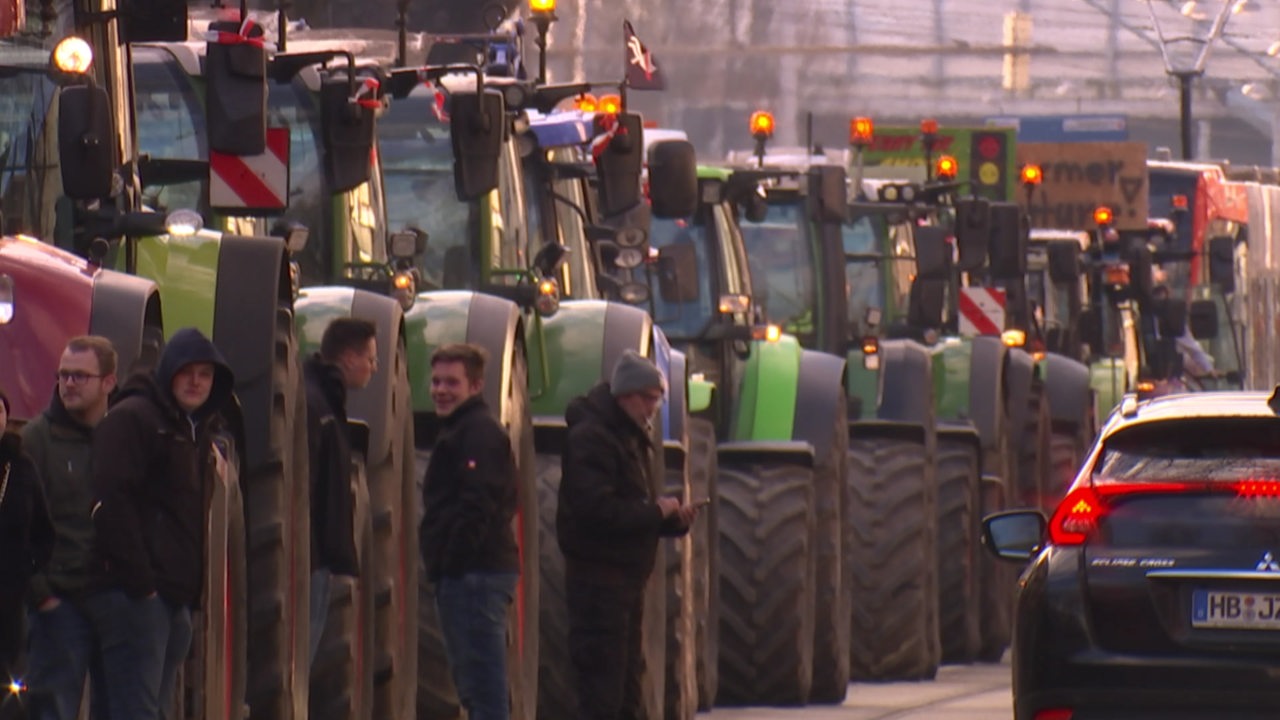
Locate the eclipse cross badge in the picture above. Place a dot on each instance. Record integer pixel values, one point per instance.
(1268, 563)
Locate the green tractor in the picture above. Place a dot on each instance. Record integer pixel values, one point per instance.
(772, 412)
(79, 188)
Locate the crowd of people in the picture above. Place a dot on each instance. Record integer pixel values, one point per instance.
(103, 503)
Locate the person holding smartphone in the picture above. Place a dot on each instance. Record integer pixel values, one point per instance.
(608, 523)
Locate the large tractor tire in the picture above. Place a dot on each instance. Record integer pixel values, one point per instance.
(895, 606)
(1033, 469)
(833, 604)
(959, 549)
(1066, 455)
(703, 469)
(279, 517)
(394, 570)
(342, 677)
(213, 681)
(997, 577)
(681, 681)
(557, 694)
(437, 696)
(766, 584)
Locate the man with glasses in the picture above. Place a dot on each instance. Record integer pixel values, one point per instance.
(608, 524)
(63, 648)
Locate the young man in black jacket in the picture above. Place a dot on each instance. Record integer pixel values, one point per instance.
(347, 360)
(152, 458)
(608, 524)
(468, 543)
(60, 441)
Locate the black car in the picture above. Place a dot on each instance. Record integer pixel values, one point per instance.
(1153, 591)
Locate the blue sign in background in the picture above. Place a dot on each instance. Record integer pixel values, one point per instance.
(1065, 128)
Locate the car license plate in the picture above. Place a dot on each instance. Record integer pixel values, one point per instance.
(1235, 610)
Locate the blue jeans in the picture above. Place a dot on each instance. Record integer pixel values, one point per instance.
(144, 642)
(321, 580)
(62, 650)
(473, 620)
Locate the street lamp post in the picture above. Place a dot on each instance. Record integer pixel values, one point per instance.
(1186, 74)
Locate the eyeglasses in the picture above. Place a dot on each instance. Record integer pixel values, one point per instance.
(75, 377)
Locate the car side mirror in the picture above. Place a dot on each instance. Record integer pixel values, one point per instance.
(348, 129)
(1064, 262)
(673, 179)
(236, 99)
(86, 142)
(678, 273)
(1203, 319)
(1222, 267)
(477, 122)
(1015, 535)
(619, 164)
(933, 253)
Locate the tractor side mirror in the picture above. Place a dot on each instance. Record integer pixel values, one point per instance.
(1203, 319)
(827, 185)
(973, 230)
(1091, 329)
(146, 21)
(1008, 248)
(86, 142)
(926, 302)
(407, 244)
(673, 179)
(478, 125)
(678, 273)
(618, 166)
(1141, 275)
(755, 206)
(933, 253)
(236, 107)
(1222, 266)
(549, 258)
(1064, 262)
(348, 129)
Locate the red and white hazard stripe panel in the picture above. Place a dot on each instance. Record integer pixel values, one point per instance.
(981, 311)
(252, 182)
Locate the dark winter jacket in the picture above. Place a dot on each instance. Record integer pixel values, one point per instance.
(333, 543)
(26, 532)
(61, 448)
(607, 521)
(151, 467)
(470, 494)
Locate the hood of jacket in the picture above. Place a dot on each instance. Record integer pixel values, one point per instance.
(187, 346)
(60, 418)
(600, 406)
(10, 446)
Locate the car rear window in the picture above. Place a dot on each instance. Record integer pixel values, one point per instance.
(1200, 449)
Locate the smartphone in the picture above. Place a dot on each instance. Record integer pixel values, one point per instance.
(702, 503)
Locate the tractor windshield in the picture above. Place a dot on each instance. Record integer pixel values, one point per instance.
(29, 179)
(782, 264)
(171, 124)
(555, 213)
(688, 319)
(417, 167)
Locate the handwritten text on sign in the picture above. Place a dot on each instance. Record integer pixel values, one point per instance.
(1078, 177)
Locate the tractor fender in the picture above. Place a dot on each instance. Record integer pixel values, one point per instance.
(53, 302)
(126, 308)
(316, 307)
(820, 387)
(1020, 374)
(579, 346)
(906, 383)
(987, 388)
(252, 284)
(1067, 383)
(744, 452)
(770, 383)
(892, 429)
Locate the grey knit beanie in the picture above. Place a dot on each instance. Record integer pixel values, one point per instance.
(635, 373)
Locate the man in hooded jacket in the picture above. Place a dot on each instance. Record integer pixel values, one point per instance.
(152, 459)
(608, 523)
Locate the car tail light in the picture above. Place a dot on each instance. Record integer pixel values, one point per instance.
(1054, 714)
(1077, 516)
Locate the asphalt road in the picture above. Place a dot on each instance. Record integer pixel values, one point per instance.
(965, 692)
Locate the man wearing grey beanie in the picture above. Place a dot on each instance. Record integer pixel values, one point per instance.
(608, 524)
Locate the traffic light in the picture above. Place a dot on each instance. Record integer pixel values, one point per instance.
(988, 163)
(1008, 248)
